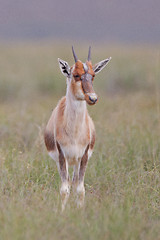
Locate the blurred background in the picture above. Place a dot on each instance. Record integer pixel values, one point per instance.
(122, 179)
(34, 33)
(101, 21)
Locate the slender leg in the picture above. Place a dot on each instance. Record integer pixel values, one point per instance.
(75, 175)
(63, 169)
(80, 187)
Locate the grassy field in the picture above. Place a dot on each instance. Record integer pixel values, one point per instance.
(123, 176)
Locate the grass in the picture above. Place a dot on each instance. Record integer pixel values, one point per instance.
(123, 176)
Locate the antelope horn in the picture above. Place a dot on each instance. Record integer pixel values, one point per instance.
(89, 54)
(74, 55)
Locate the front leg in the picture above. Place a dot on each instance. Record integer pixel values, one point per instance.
(63, 170)
(75, 178)
(80, 187)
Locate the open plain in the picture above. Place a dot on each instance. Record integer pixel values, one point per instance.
(123, 176)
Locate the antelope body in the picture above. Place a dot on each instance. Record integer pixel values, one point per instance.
(70, 133)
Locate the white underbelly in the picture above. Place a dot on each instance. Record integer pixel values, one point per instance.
(72, 153)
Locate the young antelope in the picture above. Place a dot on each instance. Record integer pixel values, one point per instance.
(70, 133)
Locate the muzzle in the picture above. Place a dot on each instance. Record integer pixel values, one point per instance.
(87, 86)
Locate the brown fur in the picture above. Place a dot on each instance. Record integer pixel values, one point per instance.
(78, 68)
(90, 68)
(62, 163)
(49, 140)
(86, 85)
(49, 131)
(75, 87)
(70, 132)
(62, 135)
(63, 131)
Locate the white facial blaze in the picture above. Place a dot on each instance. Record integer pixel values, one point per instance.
(85, 67)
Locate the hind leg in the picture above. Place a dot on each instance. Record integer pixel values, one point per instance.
(75, 177)
(80, 186)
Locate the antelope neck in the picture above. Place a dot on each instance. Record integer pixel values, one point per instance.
(75, 110)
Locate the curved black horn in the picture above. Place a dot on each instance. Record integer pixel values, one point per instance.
(74, 55)
(89, 54)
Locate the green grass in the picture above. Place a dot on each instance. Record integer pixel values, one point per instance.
(123, 176)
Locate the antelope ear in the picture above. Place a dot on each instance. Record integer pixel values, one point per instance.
(65, 68)
(99, 66)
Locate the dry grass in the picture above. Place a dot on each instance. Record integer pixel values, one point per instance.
(123, 176)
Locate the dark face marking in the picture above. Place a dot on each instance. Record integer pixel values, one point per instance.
(84, 72)
(87, 84)
(82, 69)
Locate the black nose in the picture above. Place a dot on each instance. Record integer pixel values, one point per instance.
(93, 99)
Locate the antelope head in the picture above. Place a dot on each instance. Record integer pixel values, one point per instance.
(81, 75)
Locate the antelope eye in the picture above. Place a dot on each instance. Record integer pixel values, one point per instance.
(76, 76)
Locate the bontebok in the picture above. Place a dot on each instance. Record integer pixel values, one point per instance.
(70, 132)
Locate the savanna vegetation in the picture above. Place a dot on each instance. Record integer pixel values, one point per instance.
(123, 176)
